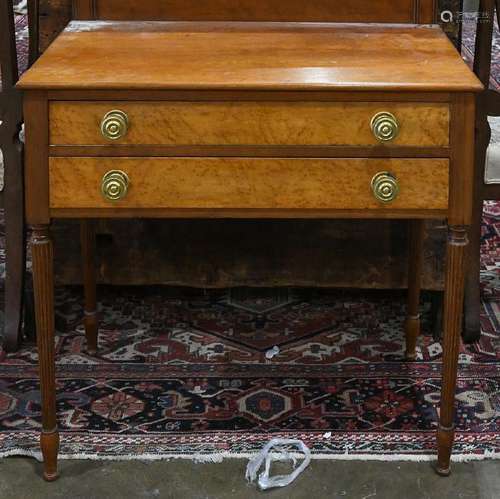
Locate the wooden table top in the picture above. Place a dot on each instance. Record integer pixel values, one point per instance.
(250, 56)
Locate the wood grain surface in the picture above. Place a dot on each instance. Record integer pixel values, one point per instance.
(36, 184)
(238, 56)
(462, 138)
(248, 123)
(234, 183)
(259, 10)
(55, 14)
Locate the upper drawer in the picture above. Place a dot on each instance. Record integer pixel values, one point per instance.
(249, 123)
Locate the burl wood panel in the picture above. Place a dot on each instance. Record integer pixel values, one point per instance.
(237, 56)
(260, 10)
(275, 183)
(248, 123)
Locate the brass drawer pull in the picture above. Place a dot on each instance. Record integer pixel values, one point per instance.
(114, 185)
(385, 187)
(114, 125)
(385, 126)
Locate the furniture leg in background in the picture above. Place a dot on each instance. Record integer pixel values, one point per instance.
(34, 30)
(488, 104)
(12, 195)
(87, 237)
(415, 260)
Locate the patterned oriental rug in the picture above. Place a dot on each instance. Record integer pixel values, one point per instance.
(468, 41)
(184, 373)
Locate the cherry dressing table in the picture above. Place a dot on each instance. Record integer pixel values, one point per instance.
(248, 120)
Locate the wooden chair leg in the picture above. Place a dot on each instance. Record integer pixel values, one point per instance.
(415, 259)
(472, 329)
(453, 313)
(15, 254)
(10, 103)
(29, 325)
(43, 284)
(482, 69)
(87, 237)
(436, 313)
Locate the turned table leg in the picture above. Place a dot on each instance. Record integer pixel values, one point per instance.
(453, 314)
(43, 285)
(415, 259)
(87, 237)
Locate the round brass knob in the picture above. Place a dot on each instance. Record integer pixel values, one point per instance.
(114, 125)
(114, 185)
(385, 126)
(385, 187)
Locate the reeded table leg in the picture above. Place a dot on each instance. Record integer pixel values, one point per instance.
(415, 258)
(43, 284)
(453, 312)
(87, 237)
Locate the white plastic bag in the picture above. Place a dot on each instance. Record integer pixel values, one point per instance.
(281, 453)
(272, 352)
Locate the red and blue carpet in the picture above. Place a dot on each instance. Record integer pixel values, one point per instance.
(184, 373)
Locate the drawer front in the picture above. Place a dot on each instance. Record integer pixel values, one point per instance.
(247, 183)
(249, 123)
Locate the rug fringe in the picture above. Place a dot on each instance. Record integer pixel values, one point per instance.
(219, 457)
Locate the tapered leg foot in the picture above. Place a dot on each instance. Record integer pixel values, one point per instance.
(412, 328)
(49, 442)
(91, 331)
(445, 438)
(90, 321)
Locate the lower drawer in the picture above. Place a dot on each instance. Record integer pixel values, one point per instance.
(241, 183)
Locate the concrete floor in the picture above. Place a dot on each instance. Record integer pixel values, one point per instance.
(179, 479)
